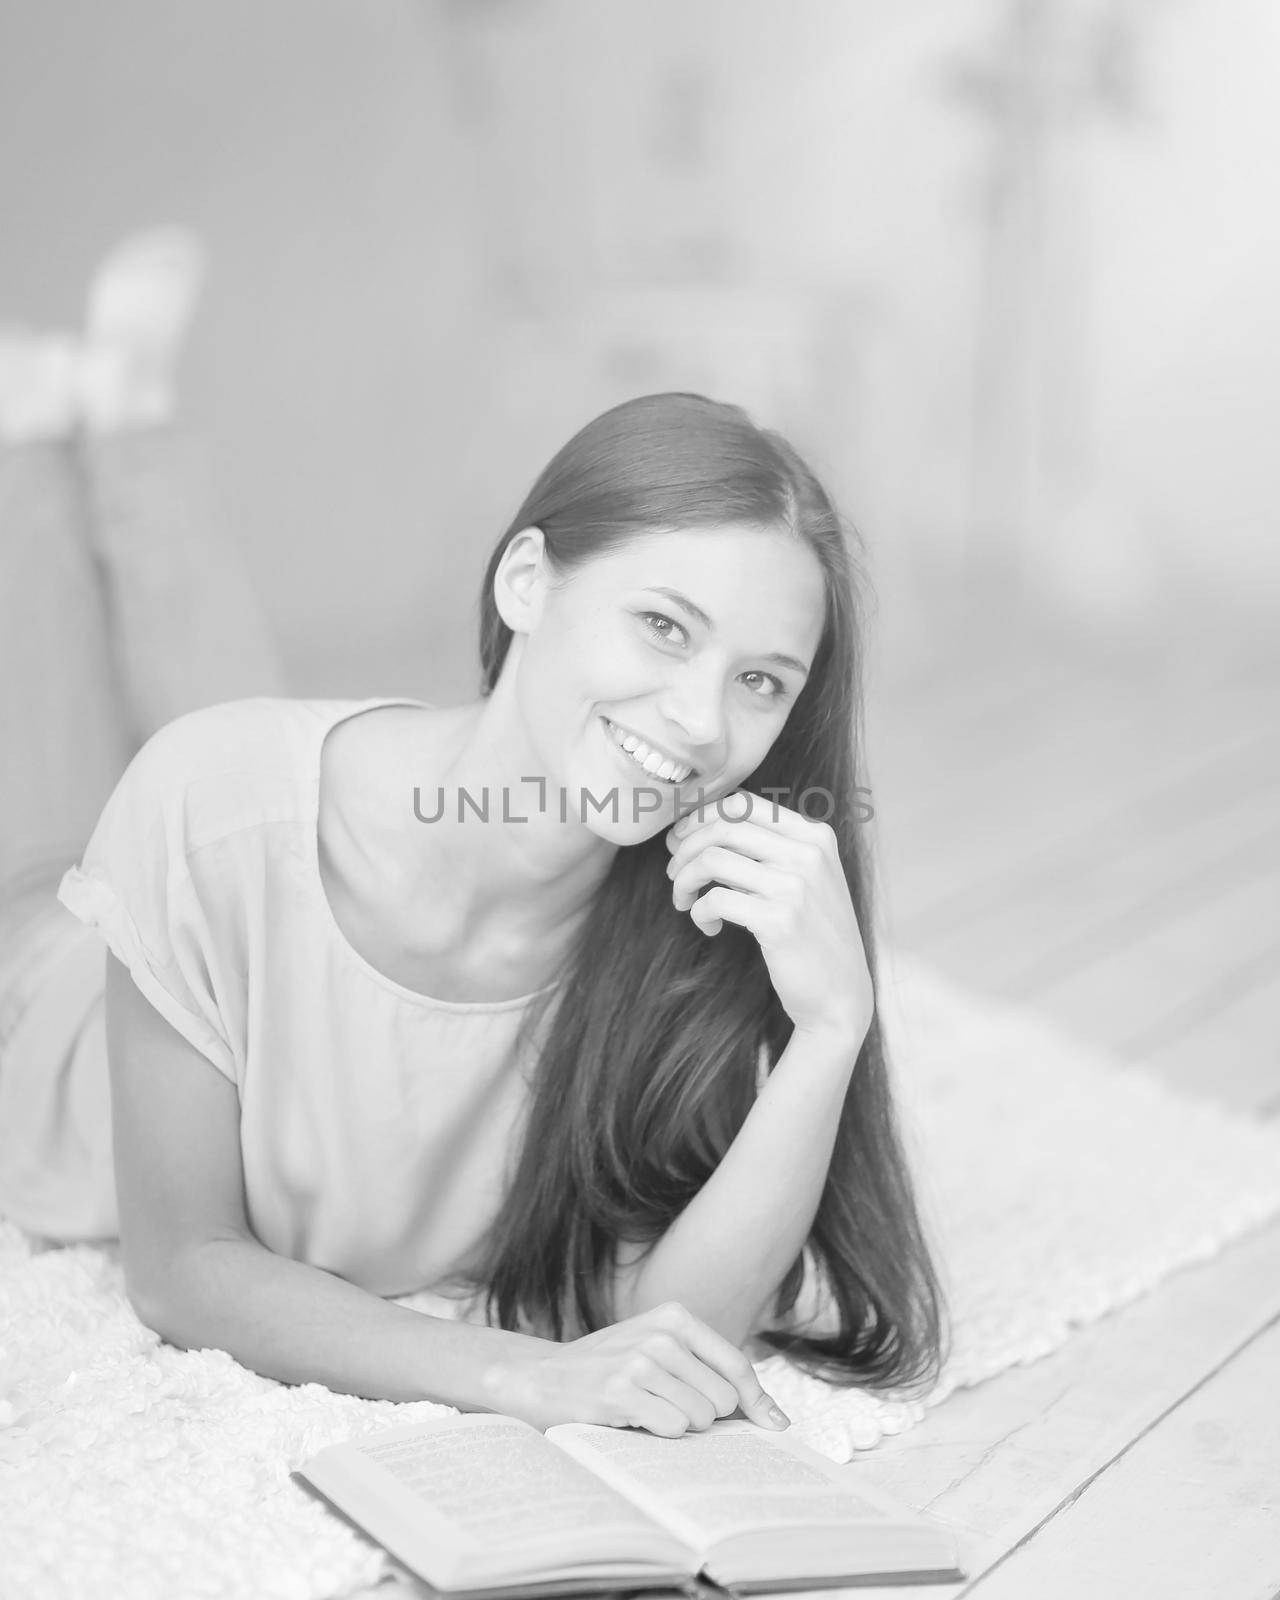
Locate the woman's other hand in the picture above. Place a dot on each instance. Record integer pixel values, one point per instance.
(662, 1370)
(778, 874)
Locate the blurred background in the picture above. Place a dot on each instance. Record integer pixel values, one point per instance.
(1004, 269)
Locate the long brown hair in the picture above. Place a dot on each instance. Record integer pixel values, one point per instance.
(648, 1067)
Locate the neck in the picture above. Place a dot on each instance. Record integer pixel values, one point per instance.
(539, 874)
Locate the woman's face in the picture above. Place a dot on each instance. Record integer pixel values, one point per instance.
(658, 674)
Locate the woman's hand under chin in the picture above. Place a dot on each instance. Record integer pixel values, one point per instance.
(779, 875)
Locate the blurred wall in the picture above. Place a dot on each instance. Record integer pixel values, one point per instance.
(1185, 339)
(444, 234)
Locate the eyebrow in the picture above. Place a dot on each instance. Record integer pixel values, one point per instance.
(701, 616)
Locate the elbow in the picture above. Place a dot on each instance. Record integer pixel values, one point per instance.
(189, 1291)
(732, 1321)
(155, 1306)
(164, 1298)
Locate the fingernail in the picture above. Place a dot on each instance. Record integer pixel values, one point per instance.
(778, 1417)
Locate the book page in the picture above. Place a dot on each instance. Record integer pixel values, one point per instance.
(500, 1483)
(477, 1494)
(733, 1478)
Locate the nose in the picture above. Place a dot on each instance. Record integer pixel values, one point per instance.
(694, 702)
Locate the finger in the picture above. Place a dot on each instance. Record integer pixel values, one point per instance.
(674, 1355)
(658, 1415)
(720, 905)
(718, 865)
(725, 1358)
(735, 808)
(741, 806)
(750, 839)
(698, 1411)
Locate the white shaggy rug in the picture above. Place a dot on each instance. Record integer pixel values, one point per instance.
(1057, 1187)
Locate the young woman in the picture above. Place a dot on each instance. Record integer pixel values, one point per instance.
(559, 1003)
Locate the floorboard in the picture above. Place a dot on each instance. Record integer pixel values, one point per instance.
(997, 1463)
(1200, 1488)
(1119, 860)
(1149, 968)
(1229, 1043)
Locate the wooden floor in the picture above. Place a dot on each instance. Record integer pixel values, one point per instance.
(1092, 826)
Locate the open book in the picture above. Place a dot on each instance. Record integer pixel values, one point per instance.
(487, 1505)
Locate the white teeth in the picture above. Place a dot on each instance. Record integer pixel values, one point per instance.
(657, 766)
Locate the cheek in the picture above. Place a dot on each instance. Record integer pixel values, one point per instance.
(753, 738)
(579, 663)
(558, 652)
(613, 660)
(586, 627)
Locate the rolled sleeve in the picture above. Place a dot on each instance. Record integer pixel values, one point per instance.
(133, 885)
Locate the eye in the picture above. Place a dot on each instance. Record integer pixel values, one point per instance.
(776, 688)
(649, 618)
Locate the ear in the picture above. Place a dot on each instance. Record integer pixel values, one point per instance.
(520, 580)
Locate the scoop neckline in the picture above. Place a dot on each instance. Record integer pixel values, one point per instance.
(347, 711)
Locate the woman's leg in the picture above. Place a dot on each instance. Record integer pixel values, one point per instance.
(186, 625)
(120, 607)
(187, 628)
(65, 732)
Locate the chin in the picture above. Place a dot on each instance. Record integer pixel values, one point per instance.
(628, 827)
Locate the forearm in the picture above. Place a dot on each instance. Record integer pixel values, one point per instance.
(725, 1255)
(300, 1324)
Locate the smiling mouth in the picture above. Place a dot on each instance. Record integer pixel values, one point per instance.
(653, 763)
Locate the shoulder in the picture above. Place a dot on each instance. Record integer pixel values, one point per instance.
(258, 732)
(212, 777)
(227, 765)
